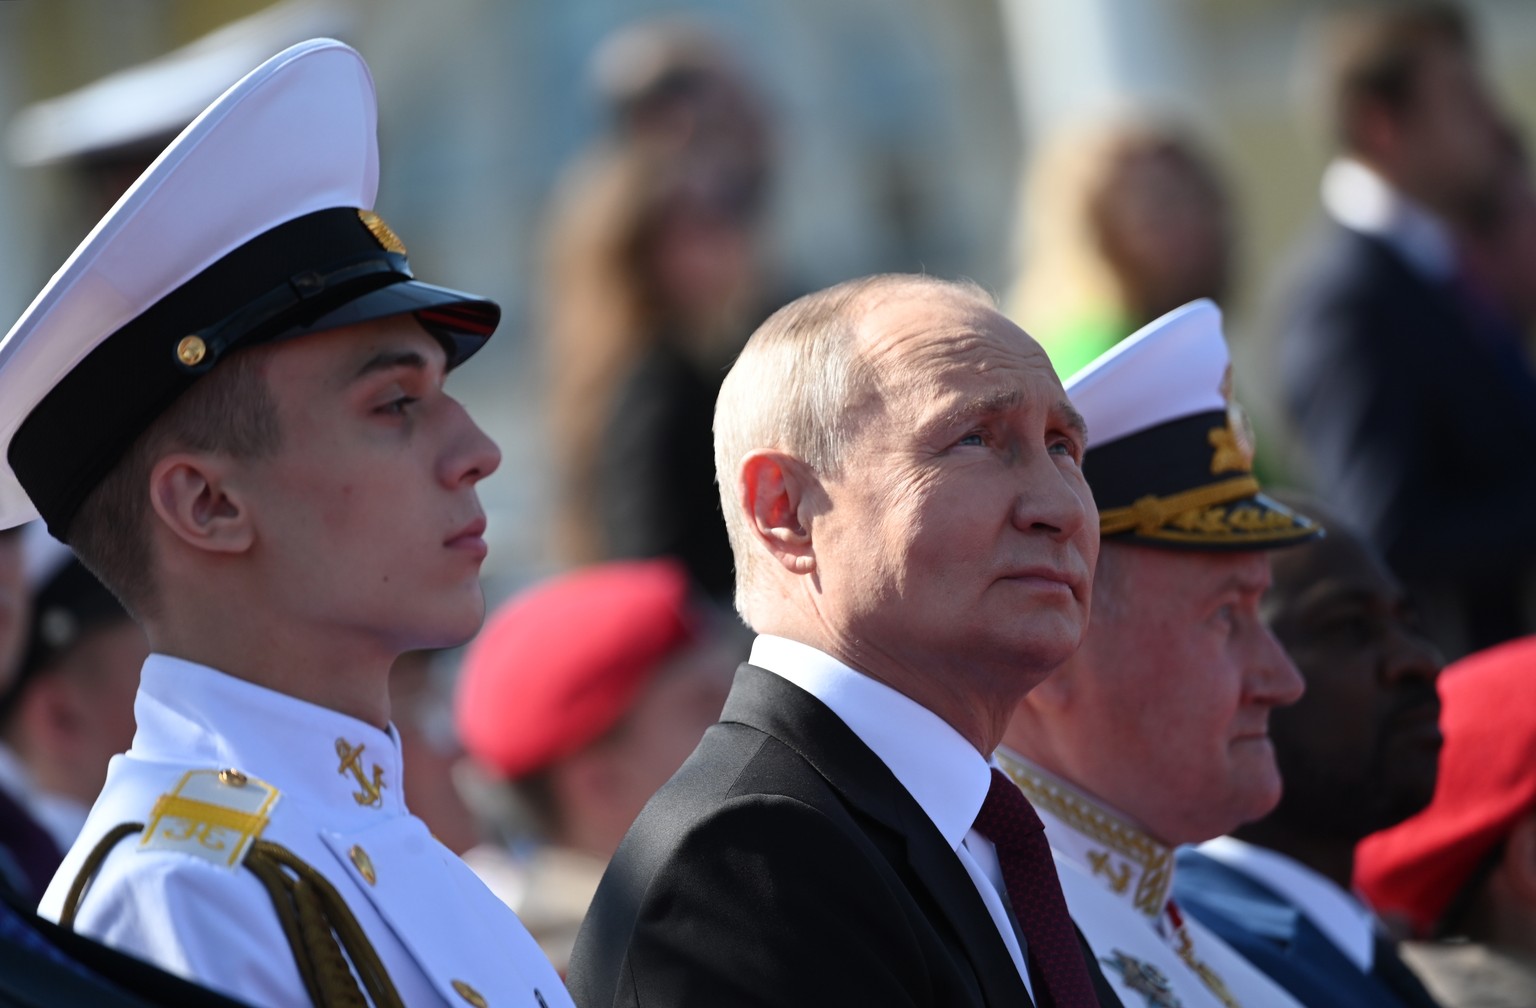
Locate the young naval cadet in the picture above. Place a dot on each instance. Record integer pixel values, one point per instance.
(229, 401)
(1153, 733)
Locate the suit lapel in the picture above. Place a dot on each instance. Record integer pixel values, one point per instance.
(771, 704)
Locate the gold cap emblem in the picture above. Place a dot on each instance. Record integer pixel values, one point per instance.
(469, 994)
(382, 233)
(1234, 443)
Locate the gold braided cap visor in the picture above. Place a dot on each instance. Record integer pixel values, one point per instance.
(1188, 484)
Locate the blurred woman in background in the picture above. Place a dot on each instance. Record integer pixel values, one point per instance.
(1122, 222)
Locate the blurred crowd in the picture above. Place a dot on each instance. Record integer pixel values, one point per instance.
(1398, 352)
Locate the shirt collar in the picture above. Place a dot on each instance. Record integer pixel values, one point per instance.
(188, 712)
(941, 770)
(1099, 840)
(1361, 200)
(1336, 913)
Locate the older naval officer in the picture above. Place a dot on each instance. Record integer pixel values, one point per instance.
(1154, 732)
(230, 403)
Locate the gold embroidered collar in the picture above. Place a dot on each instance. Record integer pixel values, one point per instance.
(1130, 863)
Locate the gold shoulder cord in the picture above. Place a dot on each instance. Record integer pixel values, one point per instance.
(320, 929)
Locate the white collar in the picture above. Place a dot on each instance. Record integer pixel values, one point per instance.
(1361, 200)
(192, 713)
(1104, 843)
(1337, 914)
(937, 766)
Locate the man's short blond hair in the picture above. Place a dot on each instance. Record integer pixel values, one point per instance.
(790, 390)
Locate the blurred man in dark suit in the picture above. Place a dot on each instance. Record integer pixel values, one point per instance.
(1414, 404)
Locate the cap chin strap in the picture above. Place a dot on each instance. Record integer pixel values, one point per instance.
(383, 267)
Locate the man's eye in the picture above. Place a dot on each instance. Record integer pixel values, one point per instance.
(1067, 447)
(976, 438)
(398, 407)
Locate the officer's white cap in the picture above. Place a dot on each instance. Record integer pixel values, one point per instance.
(205, 242)
(1170, 456)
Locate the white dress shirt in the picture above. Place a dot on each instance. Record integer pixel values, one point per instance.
(1339, 915)
(325, 786)
(942, 772)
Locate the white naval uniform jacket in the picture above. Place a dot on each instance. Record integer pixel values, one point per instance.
(1118, 884)
(323, 785)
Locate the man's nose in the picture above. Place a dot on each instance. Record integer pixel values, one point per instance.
(472, 455)
(1411, 657)
(1273, 677)
(1049, 501)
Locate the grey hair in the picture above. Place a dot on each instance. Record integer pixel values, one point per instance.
(790, 390)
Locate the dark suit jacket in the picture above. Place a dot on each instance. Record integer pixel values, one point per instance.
(785, 865)
(1271, 932)
(28, 855)
(1417, 412)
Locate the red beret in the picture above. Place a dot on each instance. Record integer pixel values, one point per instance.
(1487, 781)
(559, 664)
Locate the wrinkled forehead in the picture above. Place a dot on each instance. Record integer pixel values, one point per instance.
(930, 340)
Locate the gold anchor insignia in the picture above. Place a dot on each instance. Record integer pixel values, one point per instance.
(352, 762)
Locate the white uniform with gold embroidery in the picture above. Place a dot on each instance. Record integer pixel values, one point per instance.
(326, 787)
(1118, 883)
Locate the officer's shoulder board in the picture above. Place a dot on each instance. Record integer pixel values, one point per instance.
(212, 814)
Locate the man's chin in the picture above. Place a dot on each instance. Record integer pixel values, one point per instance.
(1261, 795)
(451, 630)
(1050, 641)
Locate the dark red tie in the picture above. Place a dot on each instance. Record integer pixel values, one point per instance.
(1010, 822)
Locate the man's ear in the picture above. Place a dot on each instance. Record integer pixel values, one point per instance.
(191, 494)
(773, 491)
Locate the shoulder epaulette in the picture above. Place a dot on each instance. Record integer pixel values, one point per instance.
(211, 814)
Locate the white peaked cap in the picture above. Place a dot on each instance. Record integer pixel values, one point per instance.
(291, 139)
(1169, 368)
(1170, 455)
